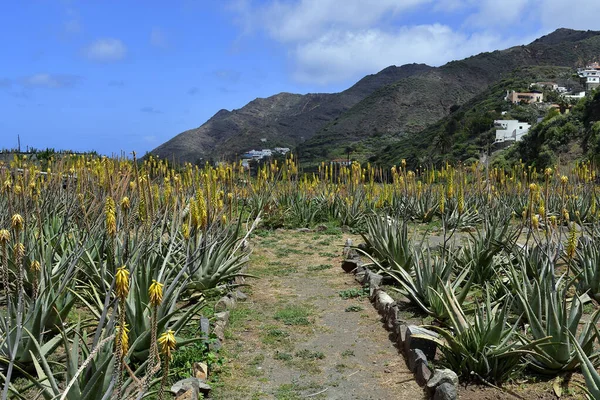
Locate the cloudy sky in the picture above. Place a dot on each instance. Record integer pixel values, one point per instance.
(118, 76)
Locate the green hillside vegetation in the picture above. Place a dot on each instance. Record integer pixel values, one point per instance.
(560, 136)
(468, 130)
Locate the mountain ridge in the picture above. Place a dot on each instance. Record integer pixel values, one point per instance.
(376, 111)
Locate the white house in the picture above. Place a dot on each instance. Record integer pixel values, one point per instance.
(590, 76)
(510, 130)
(281, 150)
(575, 96)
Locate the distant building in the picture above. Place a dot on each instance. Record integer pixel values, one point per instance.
(510, 130)
(525, 97)
(590, 76)
(281, 150)
(575, 96)
(545, 85)
(341, 161)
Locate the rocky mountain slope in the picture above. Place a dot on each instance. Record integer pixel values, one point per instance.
(378, 111)
(284, 119)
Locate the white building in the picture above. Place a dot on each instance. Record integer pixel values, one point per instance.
(281, 150)
(575, 96)
(510, 130)
(590, 76)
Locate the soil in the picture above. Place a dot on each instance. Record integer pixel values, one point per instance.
(296, 337)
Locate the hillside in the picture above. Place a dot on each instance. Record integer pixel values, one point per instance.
(284, 119)
(468, 130)
(387, 110)
(408, 106)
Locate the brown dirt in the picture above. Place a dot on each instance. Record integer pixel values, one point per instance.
(332, 353)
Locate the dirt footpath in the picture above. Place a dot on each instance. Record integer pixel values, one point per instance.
(307, 329)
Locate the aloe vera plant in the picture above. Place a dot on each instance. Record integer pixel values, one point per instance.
(552, 313)
(484, 347)
(586, 267)
(388, 237)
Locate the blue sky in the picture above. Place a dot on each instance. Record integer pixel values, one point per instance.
(127, 75)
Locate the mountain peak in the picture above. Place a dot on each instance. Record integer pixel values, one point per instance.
(565, 35)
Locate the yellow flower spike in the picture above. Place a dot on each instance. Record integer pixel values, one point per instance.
(4, 236)
(124, 338)
(35, 266)
(564, 179)
(111, 217)
(572, 241)
(167, 343)
(17, 222)
(155, 293)
(122, 282)
(535, 222)
(125, 203)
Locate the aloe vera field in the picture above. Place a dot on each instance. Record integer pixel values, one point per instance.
(108, 264)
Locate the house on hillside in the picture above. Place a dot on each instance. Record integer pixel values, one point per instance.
(574, 96)
(545, 85)
(524, 97)
(590, 76)
(510, 130)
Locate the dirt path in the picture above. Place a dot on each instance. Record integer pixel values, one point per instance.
(303, 333)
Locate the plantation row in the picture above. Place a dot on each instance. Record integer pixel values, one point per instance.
(104, 262)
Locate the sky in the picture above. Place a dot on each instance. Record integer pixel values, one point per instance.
(127, 75)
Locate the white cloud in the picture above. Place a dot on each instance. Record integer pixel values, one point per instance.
(339, 40)
(50, 81)
(106, 50)
(307, 18)
(158, 38)
(337, 56)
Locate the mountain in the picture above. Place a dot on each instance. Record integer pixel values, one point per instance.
(284, 120)
(403, 109)
(381, 111)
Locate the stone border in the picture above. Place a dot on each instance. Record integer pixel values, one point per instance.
(441, 384)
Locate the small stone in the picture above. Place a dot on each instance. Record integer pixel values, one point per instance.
(416, 357)
(204, 327)
(392, 318)
(374, 279)
(383, 301)
(303, 230)
(350, 265)
(445, 391)
(189, 394)
(222, 316)
(442, 376)
(321, 228)
(185, 385)
(225, 303)
(422, 374)
(240, 296)
(359, 276)
(401, 334)
(429, 347)
(200, 370)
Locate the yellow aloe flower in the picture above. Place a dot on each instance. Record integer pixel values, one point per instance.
(156, 293)
(122, 282)
(4, 236)
(35, 266)
(17, 222)
(167, 343)
(124, 338)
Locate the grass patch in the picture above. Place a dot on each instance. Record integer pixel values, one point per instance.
(354, 293)
(319, 267)
(310, 355)
(348, 353)
(354, 309)
(283, 356)
(293, 315)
